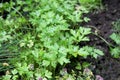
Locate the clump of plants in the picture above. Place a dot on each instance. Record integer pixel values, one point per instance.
(44, 34)
(115, 36)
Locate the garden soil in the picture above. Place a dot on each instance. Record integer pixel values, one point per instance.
(101, 21)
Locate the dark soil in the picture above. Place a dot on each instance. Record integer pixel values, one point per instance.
(106, 66)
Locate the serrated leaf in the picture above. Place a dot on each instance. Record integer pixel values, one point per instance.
(85, 39)
(73, 32)
(115, 52)
(79, 67)
(14, 71)
(86, 19)
(7, 77)
(82, 52)
(63, 60)
(48, 74)
(99, 52)
(85, 64)
(46, 63)
(115, 37)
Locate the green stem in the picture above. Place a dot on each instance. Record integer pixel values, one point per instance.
(97, 30)
(103, 39)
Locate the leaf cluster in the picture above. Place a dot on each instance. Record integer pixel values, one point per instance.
(46, 36)
(115, 51)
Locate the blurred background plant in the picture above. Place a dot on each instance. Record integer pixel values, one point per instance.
(115, 36)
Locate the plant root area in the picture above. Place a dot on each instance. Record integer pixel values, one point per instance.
(101, 21)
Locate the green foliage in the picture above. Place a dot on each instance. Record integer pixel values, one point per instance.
(91, 4)
(115, 51)
(116, 25)
(46, 35)
(115, 37)
(86, 74)
(8, 47)
(85, 51)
